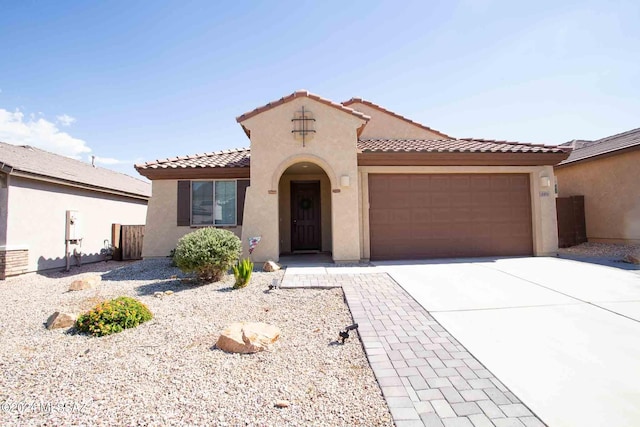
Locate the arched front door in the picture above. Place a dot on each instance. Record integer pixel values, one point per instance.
(306, 233)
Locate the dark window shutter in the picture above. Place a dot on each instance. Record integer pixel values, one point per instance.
(184, 203)
(240, 193)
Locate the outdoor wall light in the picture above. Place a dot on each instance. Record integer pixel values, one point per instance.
(545, 181)
(344, 181)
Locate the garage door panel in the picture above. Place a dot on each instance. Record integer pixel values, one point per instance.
(421, 216)
(449, 215)
(440, 199)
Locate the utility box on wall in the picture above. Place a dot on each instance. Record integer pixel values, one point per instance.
(73, 229)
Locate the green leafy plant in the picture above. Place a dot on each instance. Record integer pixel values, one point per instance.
(113, 316)
(208, 252)
(242, 272)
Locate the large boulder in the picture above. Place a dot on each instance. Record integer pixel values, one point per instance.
(60, 320)
(87, 282)
(247, 337)
(270, 266)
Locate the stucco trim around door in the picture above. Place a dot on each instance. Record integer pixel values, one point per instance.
(297, 158)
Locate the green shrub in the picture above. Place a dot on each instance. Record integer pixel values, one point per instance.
(209, 252)
(113, 316)
(242, 272)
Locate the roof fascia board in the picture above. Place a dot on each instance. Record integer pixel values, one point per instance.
(44, 178)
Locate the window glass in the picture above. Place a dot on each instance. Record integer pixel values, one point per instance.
(225, 205)
(202, 202)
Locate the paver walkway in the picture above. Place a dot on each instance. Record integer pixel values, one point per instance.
(426, 376)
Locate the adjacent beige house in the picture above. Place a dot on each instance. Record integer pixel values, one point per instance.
(360, 182)
(607, 173)
(38, 189)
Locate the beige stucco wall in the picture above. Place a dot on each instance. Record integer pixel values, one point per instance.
(284, 190)
(383, 125)
(543, 205)
(36, 219)
(273, 149)
(161, 230)
(611, 190)
(4, 180)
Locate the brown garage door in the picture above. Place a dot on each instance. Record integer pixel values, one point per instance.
(449, 215)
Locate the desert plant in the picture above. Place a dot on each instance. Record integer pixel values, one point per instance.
(208, 252)
(242, 272)
(113, 316)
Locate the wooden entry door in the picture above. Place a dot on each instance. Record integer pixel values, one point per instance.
(305, 216)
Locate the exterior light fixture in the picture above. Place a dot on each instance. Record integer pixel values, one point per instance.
(545, 181)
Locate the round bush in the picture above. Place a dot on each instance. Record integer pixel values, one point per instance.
(110, 317)
(209, 252)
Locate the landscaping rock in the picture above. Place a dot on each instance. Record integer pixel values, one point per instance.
(245, 337)
(60, 320)
(87, 282)
(632, 258)
(169, 292)
(270, 266)
(282, 404)
(158, 294)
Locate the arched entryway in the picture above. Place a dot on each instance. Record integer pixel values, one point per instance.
(304, 209)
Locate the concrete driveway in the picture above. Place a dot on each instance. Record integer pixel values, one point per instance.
(563, 335)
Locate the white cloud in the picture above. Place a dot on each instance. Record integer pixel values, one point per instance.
(39, 132)
(65, 120)
(109, 161)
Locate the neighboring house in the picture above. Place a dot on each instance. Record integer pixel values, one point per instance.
(360, 182)
(37, 188)
(607, 173)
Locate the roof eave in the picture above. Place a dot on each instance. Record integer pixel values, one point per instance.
(77, 184)
(300, 94)
(418, 158)
(195, 173)
(599, 156)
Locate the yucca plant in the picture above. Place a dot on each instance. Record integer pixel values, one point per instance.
(242, 272)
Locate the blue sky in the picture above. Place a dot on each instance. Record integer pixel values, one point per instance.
(132, 81)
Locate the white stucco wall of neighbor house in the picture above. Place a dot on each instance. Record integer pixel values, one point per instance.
(274, 148)
(36, 218)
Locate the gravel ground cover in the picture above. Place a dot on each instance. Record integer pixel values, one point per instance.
(605, 250)
(167, 371)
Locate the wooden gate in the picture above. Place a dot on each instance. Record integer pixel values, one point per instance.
(127, 241)
(572, 226)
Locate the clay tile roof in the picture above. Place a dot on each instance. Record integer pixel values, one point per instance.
(464, 145)
(606, 145)
(39, 163)
(235, 158)
(298, 94)
(384, 110)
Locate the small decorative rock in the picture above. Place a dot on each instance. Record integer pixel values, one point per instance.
(60, 320)
(270, 266)
(169, 292)
(247, 337)
(282, 404)
(633, 258)
(87, 282)
(158, 294)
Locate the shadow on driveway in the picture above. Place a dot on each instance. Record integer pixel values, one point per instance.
(614, 262)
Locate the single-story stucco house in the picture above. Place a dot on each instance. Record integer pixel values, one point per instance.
(39, 193)
(360, 182)
(607, 173)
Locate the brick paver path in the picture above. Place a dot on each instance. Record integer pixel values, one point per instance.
(426, 376)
